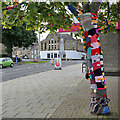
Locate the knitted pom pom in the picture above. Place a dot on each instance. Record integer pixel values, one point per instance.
(104, 96)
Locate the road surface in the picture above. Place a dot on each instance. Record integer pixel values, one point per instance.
(27, 69)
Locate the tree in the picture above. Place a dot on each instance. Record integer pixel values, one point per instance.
(108, 16)
(56, 15)
(17, 37)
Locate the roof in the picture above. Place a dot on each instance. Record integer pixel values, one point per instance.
(67, 37)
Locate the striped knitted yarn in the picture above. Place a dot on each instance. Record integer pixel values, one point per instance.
(92, 46)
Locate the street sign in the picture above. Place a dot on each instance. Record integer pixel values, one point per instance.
(57, 63)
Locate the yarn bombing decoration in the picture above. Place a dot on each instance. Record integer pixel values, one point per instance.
(92, 46)
(16, 4)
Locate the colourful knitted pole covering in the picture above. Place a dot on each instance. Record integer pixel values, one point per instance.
(84, 40)
(91, 43)
(92, 46)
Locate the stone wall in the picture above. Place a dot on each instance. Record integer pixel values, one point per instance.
(110, 49)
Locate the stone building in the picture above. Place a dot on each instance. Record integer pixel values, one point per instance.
(52, 42)
(2, 50)
(51, 47)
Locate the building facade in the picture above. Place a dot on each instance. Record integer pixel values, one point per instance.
(51, 48)
(2, 49)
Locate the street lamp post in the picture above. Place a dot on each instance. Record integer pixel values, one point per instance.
(39, 48)
(61, 52)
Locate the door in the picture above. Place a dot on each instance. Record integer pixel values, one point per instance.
(4, 62)
(8, 61)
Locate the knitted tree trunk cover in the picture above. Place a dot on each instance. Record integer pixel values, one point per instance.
(92, 47)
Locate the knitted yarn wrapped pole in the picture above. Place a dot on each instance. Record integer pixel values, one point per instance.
(92, 47)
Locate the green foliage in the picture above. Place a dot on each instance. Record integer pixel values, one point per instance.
(108, 13)
(18, 37)
(11, 17)
(35, 14)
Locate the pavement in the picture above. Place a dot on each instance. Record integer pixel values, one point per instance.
(54, 94)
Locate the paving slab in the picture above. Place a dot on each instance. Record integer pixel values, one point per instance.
(39, 95)
(54, 94)
(76, 105)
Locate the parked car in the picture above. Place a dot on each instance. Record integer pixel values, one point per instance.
(4, 62)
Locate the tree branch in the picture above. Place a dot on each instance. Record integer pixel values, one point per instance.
(108, 10)
(94, 6)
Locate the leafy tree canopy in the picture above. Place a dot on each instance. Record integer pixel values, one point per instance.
(17, 37)
(55, 14)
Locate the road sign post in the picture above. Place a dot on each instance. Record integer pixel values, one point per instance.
(39, 49)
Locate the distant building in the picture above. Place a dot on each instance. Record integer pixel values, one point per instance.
(51, 48)
(2, 49)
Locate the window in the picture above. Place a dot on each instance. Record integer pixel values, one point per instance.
(48, 55)
(49, 47)
(52, 47)
(64, 55)
(68, 44)
(28, 52)
(45, 46)
(41, 46)
(51, 38)
(52, 41)
(55, 55)
(3, 60)
(55, 47)
(51, 55)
